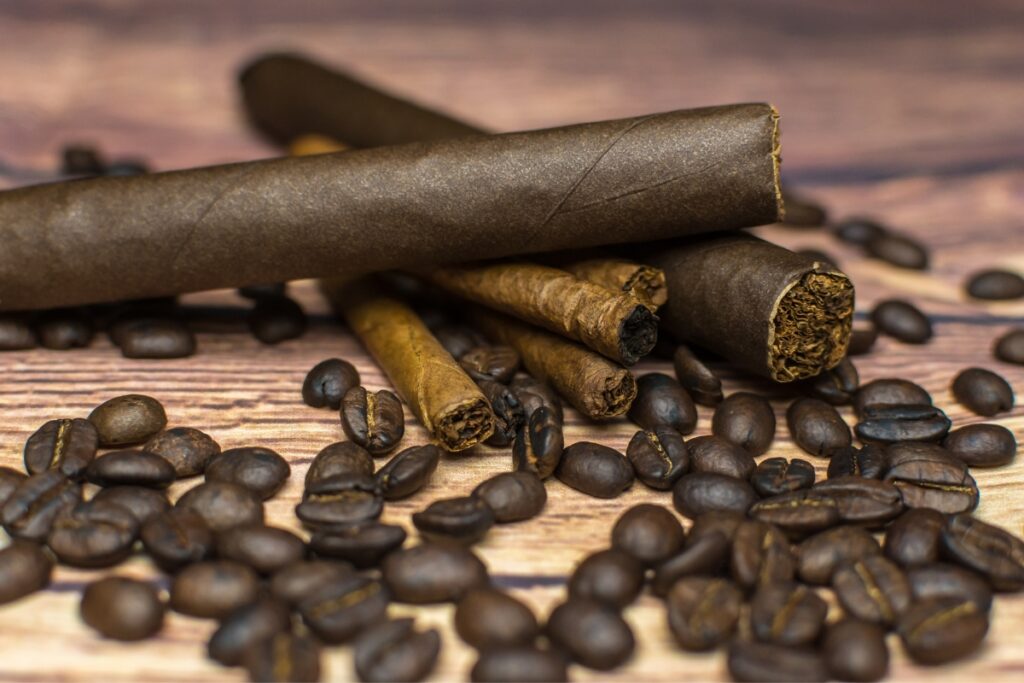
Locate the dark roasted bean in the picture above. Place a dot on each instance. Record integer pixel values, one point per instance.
(526, 664)
(927, 476)
(213, 589)
(93, 534)
(869, 462)
(760, 555)
(299, 580)
(662, 402)
(465, 519)
(983, 391)
(395, 651)
(508, 412)
(16, 333)
(328, 382)
(982, 445)
(703, 612)
(987, 549)
(774, 476)
(701, 492)
(914, 538)
(248, 627)
(128, 419)
(343, 499)
(538, 444)
(534, 394)
(941, 580)
(873, 588)
(855, 650)
(746, 420)
(595, 469)
(941, 630)
(721, 521)
(889, 391)
(715, 454)
(753, 661)
(264, 290)
(902, 320)
(996, 285)
(489, 618)
(862, 339)
(287, 658)
(64, 329)
(275, 319)
(591, 633)
(867, 502)
(787, 613)
(816, 426)
(432, 572)
(837, 386)
(799, 513)
(374, 420)
(25, 567)
(338, 459)
(458, 340)
(708, 555)
(177, 538)
(64, 445)
(609, 576)
(122, 608)
(10, 480)
(222, 505)
(364, 544)
(494, 363)
(819, 555)
(895, 423)
(156, 338)
(32, 507)
(260, 470)
(801, 212)
(188, 450)
(337, 612)
(130, 468)
(264, 548)
(1009, 348)
(696, 378)
(858, 230)
(649, 533)
(513, 496)
(81, 160)
(659, 457)
(898, 250)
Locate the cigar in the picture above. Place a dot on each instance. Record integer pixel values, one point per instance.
(642, 282)
(444, 398)
(766, 309)
(307, 145)
(591, 383)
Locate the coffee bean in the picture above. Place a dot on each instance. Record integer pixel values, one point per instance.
(513, 496)
(941, 630)
(753, 661)
(457, 340)
(81, 160)
(873, 588)
(703, 612)
(858, 230)
(837, 386)
(248, 627)
(538, 445)
(130, 468)
(658, 457)
(364, 544)
(395, 651)
(662, 402)
(177, 538)
(344, 499)
(595, 469)
(373, 420)
(774, 476)
(286, 658)
(262, 291)
(260, 470)
(122, 608)
(188, 450)
(889, 391)
(494, 363)
(942, 580)
(855, 650)
(820, 555)
(799, 513)
(903, 321)
(465, 520)
(895, 423)
(328, 382)
(867, 502)
(982, 445)
(715, 454)
(222, 505)
(64, 445)
(987, 549)
(156, 338)
(816, 426)
(344, 458)
(760, 555)
(721, 521)
(31, 509)
(914, 538)
(275, 319)
(927, 476)
(25, 568)
(213, 589)
(264, 548)
(746, 420)
(708, 555)
(525, 664)
(16, 333)
(862, 339)
(299, 580)
(432, 572)
(996, 285)
(93, 534)
(787, 613)
(701, 492)
(65, 328)
(696, 378)
(609, 576)
(983, 391)
(803, 213)
(868, 462)
(534, 394)
(898, 250)
(649, 533)
(591, 633)
(340, 611)
(489, 618)
(10, 479)
(1008, 348)
(128, 419)
(508, 412)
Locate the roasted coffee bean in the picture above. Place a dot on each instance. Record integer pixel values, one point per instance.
(987, 549)
(222, 504)
(128, 419)
(799, 513)
(63, 329)
(903, 321)
(867, 502)
(260, 470)
(122, 608)
(286, 658)
(816, 426)
(837, 386)
(538, 445)
(659, 457)
(339, 611)
(328, 382)
(858, 230)
(696, 378)
(264, 290)
(513, 496)
(774, 476)
(130, 468)
(595, 469)
(708, 555)
(855, 650)
(81, 160)
(898, 250)
(188, 450)
(941, 630)
(996, 285)
(344, 458)
(275, 319)
(746, 420)
(67, 446)
(649, 533)
(16, 333)
(458, 340)
(715, 454)
(941, 580)
(156, 338)
(819, 555)
(93, 534)
(25, 568)
(983, 391)
(264, 548)
(662, 402)
(787, 613)
(927, 476)
(525, 664)
(177, 538)
(432, 572)
(609, 576)
(534, 394)
(753, 661)
(888, 424)
(466, 519)
(703, 612)
(31, 508)
(862, 339)
(299, 580)
(10, 479)
(873, 588)
(395, 651)
(248, 627)
(213, 589)
(982, 445)
(889, 391)
(803, 213)
(494, 363)
(914, 538)
(591, 633)
(364, 544)
(760, 555)
(340, 500)
(720, 521)
(488, 618)
(374, 420)
(508, 412)
(868, 462)
(702, 492)
(1008, 348)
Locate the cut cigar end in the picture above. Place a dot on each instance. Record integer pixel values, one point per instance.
(647, 284)
(638, 334)
(464, 425)
(618, 395)
(780, 204)
(811, 326)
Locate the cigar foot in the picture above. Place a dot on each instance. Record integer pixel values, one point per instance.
(637, 335)
(648, 285)
(618, 395)
(465, 425)
(811, 326)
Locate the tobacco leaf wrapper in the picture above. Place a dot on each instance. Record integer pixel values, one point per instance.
(591, 383)
(764, 308)
(444, 398)
(644, 283)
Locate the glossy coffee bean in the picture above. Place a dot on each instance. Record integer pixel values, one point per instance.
(716, 455)
(662, 402)
(708, 555)
(746, 420)
(37, 501)
(595, 470)
(340, 500)
(983, 391)
(866, 502)
(701, 492)
(260, 470)
(1009, 348)
(263, 548)
(464, 520)
(787, 613)
(774, 476)
(16, 333)
(63, 329)
(188, 450)
(25, 568)
(93, 534)
(156, 338)
(927, 476)
(753, 661)
(699, 381)
(591, 633)
(248, 627)
(177, 538)
(432, 572)
(328, 382)
(855, 650)
(287, 658)
(67, 446)
(494, 363)
(886, 424)
(130, 468)
(799, 513)
(658, 457)
(513, 496)
(820, 555)
(889, 391)
(858, 230)
(340, 611)
(649, 533)
(816, 426)
(873, 588)
(760, 555)
(213, 589)
(903, 321)
(538, 445)
(275, 319)
(534, 394)
(609, 576)
(374, 420)
(122, 609)
(457, 340)
(716, 521)
(898, 250)
(262, 291)
(837, 386)
(128, 419)
(915, 537)
(987, 549)
(982, 445)
(395, 651)
(862, 339)
(222, 505)
(525, 664)
(801, 212)
(489, 618)
(996, 285)
(868, 462)
(703, 612)
(338, 459)
(364, 544)
(508, 412)
(940, 630)
(942, 580)
(10, 479)
(299, 580)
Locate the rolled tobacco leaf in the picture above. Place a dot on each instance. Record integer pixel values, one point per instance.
(642, 282)
(306, 145)
(444, 398)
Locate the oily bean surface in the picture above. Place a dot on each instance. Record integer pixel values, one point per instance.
(774, 476)
(487, 618)
(942, 580)
(130, 468)
(526, 664)
(787, 613)
(702, 492)
(364, 544)
(915, 537)
(746, 420)
(862, 339)
(873, 588)
(983, 391)
(534, 394)
(128, 419)
(25, 568)
(982, 445)
(64, 329)
(595, 469)
(836, 386)
(889, 391)
(432, 572)
(493, 363)
(156, 338)
(703, 612)
(248, 627)
(858, 230)
(591, 633)
(903, 321)
(341, 458)
(395, 651)
(855, 650)
(816, 426)
(264, 548)
(821, 554)
(15, 333)
(213, 589)
(715, 454)
(328, 382)
(996, 285)
(940, 630)
(465, 519)
(259, 470)
(696, 378)
(927, 476)
(538, 445)
(338, 612)
(867, 502)
(187, 449)
(222, 504)
(799, 513)
(760, 555)
(868, 461)
(649, 533)
(898, 250)
(300, 580)
(658, 457)
(513, 496)
(1009, 348)
(339, 500)
(67, 445)
(93, 534)
(508, 412)
(708, 555)
(37, 501)
(275, 319)
(177, 538)
(987, 549)
(887, 424)
(609, 576)
(754, 661)
(662, 402)
(296, 657)
(374, 420)
(122, 608)
(10, 479)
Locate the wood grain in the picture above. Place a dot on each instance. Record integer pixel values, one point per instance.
(908, 111)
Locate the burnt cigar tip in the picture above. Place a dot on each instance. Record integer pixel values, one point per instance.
(638, 334)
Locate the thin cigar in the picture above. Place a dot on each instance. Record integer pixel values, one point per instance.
(614, 324)
(591, 383)
(644, 283)
(307, 145)
(444, 398)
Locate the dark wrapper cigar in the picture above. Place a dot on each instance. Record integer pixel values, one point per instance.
(642, 282)
(444, 398)
(763, 307)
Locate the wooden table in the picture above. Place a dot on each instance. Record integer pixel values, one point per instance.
(908, 111)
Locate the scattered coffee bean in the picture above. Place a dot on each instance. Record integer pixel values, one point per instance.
(701, 492)
(67, 446)
(927, 476)
(595, 469)
(837, 386)
(122, 608)
(222, 504)
(658, 457)
(903, 321)
(708, 555)
(873, 588)
(328, 382)
(862, 339)
(869, 462)
(799, 513)
(753, 661)
(364, 544)
(25, 568)
(275, 319)
(508, 412)
(188, 450)
(489, 618)
(16, 333)
(299, 580)
(494, 363)
(344, 458)
(895, 423)
(248, 627)
(32, 507)
(889, 391)
(609, 576)
(538, 445)
(703, 612)
(715, 454)
(662, 402)
(338, 612)
(260, 470)
(591, 633)
(787, 613)
(81, 160)
(395, 651)
(513, 496)
(816, 426)
(696, 378)
(93, 534)
(10, 479)
(534, 394)
(465, 519)
(717, 521)
(941, 630)
(156, 338)
(286, 658)
(942, 580)
(264, 548)
(898, 250)
(821, 554)
(987, 549)
(803, 213)
(128, 419)
(263, 291)
(866, 502)
(858, 230)
(915, 537)
(774, 476)
(64, 329)
(982, 445)
(760, 555)
(458, 340)
(526, 664)
(130, 468)
(373, 420)
(649, 533)
(996, 285)
(340, 500)
(177, 538)
(432, 572)
(213, 589)
(983, 391)
(746, 420)
(1009, 348)
(855, 650)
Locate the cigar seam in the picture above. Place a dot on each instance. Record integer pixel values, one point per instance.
(780, 204)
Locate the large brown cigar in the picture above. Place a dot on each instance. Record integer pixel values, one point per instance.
(642, 282)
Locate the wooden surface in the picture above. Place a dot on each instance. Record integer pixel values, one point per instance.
(909, 111)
